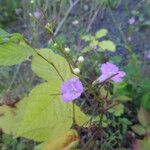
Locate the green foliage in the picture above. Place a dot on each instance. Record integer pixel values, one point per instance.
(136, 87)
(46, 71)
(3, 33)
(7, 8)
(42, 115)
(107, 45)
(139, 129)
(109, 3)
(142, 144)
(11, 143)
(94, 42)
(8, 140)
(144, 117)
(145, 100)
(12, 49)
(101, 33)
(143, 128)
(11, 53)
(117, 110)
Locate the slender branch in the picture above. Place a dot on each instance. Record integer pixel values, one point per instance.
(72, 4)
(67, 14)
(51, 65)
(93, 18)
(46, 60)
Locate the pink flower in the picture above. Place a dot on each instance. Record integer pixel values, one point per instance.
(71, 89)
(111, 71)
(148, 56)
(37, 14)
(131, 21)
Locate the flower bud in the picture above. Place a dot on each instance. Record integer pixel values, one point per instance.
(32, 1)
(76, 70)
(81, 59)
(55, 44)
(67, 50)
(30, 14)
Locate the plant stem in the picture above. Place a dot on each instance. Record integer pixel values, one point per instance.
(57, 71)
(73, 111)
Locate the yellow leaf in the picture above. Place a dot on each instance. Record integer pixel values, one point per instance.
(63, 142)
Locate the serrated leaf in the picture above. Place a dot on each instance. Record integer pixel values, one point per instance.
(46, 71)
(40, 116)
(101, 33)
(11, 53)
(138, 129)
(144, 117)
(107, 45)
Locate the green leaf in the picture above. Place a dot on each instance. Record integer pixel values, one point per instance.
(101, 33)
(116, 59)
(86, 49)
(8, 140)
(107, 45)
(145, 100)
(123, 98)
(144, 117)
(138, 129)
(7, 37)
(3, 33)
(11, 53)
(93, 44)
(117, 110)
(46, 71)
(39, 147)
(142, 144)
(88, 38)
(41, 116)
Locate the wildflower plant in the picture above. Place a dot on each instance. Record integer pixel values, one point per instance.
(50, 110)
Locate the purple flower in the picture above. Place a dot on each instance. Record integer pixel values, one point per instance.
(148, 56)
(71, 89)
(129, 38)
(110, 70)
(37, 14)
(131, 21)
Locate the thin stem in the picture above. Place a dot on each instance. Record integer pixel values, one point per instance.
(46, 61)
(73, 113)
(72, 4)
(51, 65)
(121, 32)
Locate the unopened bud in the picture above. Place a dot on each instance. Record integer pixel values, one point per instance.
(81, 59)
(32, 1)
(67, 50)
(76, 70)
(30, 14)
(55, 44)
